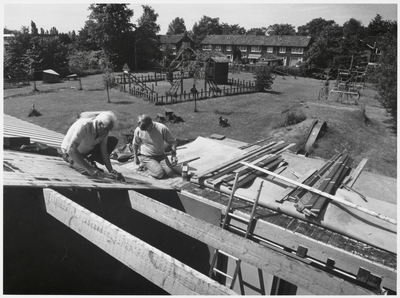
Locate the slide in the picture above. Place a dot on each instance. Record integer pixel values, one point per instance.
(316, 130)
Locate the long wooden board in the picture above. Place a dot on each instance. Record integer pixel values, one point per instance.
(161, 269)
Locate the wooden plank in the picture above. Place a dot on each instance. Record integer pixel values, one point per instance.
(354, 174)
(279, 263)
(253, 174)
(16, 179)
(234, 160)
(230, 176)
(161, 269)
(290, 189)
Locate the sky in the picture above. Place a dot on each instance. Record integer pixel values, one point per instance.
(71, 15)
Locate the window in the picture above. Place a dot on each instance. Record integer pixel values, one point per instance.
(243, 48)
(295, 61)
(270, 49)
(206, 47)
(282, 50)
(218, 48)
(297, 50)
(228, 48)
(256, 49)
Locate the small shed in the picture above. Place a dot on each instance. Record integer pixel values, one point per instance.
(218, 67)
(50, 76)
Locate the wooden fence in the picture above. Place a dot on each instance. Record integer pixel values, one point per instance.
(235, 88)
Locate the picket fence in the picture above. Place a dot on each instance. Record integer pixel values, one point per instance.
(235, 87)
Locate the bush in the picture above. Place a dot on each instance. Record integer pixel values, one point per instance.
(263, 78)
(292, 116)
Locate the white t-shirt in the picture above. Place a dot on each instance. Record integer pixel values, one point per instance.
(83, 132)
(152, 142)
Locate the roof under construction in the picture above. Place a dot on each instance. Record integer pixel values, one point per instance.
(325, 226)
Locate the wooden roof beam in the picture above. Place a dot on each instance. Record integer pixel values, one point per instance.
(161, 269)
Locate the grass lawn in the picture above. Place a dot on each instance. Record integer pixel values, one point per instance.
(252, 117)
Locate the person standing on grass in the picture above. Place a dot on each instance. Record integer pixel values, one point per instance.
(148, 147)
(87, 142)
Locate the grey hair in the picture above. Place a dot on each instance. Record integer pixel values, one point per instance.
(144, 119)
(108, 118)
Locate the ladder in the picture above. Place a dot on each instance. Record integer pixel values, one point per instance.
(228, 215)
(174, 88)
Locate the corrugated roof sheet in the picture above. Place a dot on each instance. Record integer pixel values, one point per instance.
(275, 40)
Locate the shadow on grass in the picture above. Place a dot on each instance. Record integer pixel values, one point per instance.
(123, 102)
(273, 92)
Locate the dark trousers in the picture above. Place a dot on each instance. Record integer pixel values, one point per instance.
(95, 153)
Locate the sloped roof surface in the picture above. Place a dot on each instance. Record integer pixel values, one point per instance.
(50, 71)
(275, 40)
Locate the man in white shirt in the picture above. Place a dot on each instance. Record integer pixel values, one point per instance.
(149, 140)
(87, 142)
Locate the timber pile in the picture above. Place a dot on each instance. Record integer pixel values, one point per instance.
(327, 179)
(266, 157)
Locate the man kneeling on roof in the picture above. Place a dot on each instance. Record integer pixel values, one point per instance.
(87, 142)
(149, 138)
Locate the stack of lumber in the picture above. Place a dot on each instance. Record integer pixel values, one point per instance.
(327, 179)
(266, 157)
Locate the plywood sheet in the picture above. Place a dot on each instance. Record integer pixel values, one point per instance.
(33, 170)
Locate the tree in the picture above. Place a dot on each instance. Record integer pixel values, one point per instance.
(281, 29)
(232, 29)
(32, 61)
(78, 62)
(385, 75)
(84, 40)
(14, 62)
(146, 39)
(353, 34)
(314, 27)
(53, 31)
(326, 47)
(108, 26)
(108, 75)
(206, 26)
(263, 78)
(34, 29)
(177, 26)
(257, 31)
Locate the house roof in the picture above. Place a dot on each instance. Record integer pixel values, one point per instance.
(172, 39)
(275, 40)
(217, 57)
(50, 71)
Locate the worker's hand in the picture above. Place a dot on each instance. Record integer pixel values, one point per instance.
(94, 172)
(174, 160)
(118, 175)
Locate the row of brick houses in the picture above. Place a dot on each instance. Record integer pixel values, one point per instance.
(288, 50)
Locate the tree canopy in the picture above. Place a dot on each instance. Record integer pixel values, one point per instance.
(177, 26)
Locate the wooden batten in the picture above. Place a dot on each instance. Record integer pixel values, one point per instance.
(164, 271)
